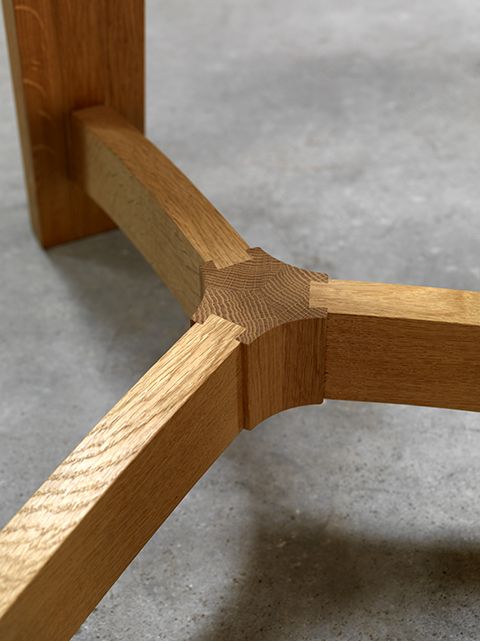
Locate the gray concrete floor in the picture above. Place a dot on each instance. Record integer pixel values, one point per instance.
(340, 136)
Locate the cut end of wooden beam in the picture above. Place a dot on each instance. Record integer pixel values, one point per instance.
(284, 338)
(260, 294)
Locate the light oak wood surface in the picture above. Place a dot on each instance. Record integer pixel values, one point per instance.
(401, 344)
(78, 532)
(173, 225)
(268, 336)
(66, 55)
(284, 339)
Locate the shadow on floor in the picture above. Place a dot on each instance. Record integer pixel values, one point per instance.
(322, 574)
(119, 293)
(304, 580)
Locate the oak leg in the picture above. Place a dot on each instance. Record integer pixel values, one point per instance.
(65, 55)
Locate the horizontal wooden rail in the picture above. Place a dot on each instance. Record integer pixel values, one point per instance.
(74, 537)
(174, 226)
(401, 344)
(268, 336)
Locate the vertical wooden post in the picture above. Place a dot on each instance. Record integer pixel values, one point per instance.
(66, 55)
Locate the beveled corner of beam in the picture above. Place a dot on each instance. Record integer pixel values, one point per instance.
(284, 341)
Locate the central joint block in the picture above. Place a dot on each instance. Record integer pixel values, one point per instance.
(284, 340)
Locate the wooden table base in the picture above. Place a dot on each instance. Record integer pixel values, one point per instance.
(265, 337)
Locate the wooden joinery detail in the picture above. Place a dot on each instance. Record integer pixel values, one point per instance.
(66, 55)
(78, 532)
(173, 225)
(267, 336)
(401, 344)
(284, 339)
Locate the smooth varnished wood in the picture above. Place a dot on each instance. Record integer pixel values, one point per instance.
(174, 226)
(66, 55)
(267, 336)
(401, 344)
(284, 339)
(73, 538)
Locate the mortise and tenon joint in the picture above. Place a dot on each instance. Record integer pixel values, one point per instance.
(284, 342)
(262, 341)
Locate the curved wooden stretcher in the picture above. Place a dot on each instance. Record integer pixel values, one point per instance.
(266, 336)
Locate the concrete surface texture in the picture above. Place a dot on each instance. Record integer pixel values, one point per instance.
(341, 136)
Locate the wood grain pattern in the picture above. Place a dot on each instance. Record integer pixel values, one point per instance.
(401, 344)
(174, 226)
(79, 531)
(66, 55)
(284, 339)
(263, 341)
